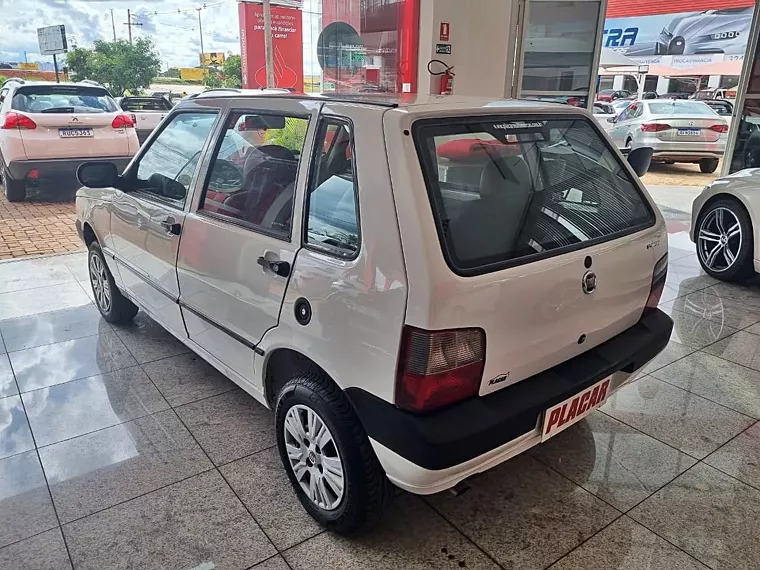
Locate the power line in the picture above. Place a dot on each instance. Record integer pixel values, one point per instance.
(129, 23)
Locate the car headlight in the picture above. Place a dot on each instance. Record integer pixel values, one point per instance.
(725, 35)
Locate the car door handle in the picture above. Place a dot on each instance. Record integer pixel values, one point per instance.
(171, 226)
(281, 268)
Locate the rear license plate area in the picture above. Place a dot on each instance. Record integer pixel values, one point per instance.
(563, 415)
(74, 133)
(689, 132)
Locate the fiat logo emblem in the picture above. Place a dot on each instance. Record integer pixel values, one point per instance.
(589, 282)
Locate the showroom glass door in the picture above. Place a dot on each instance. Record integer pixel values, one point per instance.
(561, 45)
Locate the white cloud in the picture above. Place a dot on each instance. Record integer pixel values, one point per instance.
(171, 24)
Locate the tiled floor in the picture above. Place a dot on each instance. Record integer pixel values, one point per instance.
(120, 450)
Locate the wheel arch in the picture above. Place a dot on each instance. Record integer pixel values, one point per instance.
(743, 202)
(88, 234)
(281, 364)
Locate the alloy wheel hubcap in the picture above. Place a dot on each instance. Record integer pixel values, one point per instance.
(313, 457)
(719, 240)
(100, 285)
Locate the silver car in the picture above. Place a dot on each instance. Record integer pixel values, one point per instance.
(676, 130)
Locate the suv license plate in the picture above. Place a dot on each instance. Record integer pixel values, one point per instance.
(565, 414)
(689, 132)
(74, 133)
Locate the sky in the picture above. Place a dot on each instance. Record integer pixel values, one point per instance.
(171, 24)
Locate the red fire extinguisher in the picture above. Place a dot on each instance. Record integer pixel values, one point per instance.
(446, 86)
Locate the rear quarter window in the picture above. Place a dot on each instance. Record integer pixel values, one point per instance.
(506, 192)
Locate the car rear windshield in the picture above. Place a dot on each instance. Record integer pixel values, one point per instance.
(146, 104)
(506, 192)
(675, 107)
(63, 99)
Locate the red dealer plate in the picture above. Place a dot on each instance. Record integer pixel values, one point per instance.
(565, 414)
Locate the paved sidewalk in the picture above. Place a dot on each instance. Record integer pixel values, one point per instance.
(36, 228)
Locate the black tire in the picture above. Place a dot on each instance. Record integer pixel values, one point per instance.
(708, 165)
(15, 190)
(366, 489)
(743, 267)
(120, 309)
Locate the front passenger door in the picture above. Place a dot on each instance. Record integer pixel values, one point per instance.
(147, 219)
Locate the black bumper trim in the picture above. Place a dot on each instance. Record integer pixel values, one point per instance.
(463, 431)
(58, 167)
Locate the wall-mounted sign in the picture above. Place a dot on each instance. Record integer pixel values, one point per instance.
(444, 49)
(52, 40)
(445, 32)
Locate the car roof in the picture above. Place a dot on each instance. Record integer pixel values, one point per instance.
(403, 101)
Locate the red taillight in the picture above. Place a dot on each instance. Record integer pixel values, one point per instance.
(123, 121)
(18, 121)
(658, 283)
(655, 127)
(437, 368)
(134, 118)
(33, 174)
(719, 128)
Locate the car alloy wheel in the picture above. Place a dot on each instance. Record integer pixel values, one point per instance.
(314, 457)
(100, 285)
(719, 239)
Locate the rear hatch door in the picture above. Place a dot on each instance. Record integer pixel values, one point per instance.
(73, 121)
(550, 245)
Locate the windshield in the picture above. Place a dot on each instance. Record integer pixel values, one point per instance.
(678, 107)
(506, 192)
(63, 99)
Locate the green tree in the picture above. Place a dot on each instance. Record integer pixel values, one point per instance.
(232, 71)
(213, 79)
(119, 65)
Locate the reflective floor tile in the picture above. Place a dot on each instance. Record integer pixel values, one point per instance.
(274, 563)
(69, 360)
(15, 436)
(679, 418)
(524, 514)
(708, 305)
(196, 523)
(708, 514)
(740, 457)
(24, 499)
(695, 332)
(147, 340)
(411, 536)
(672, 352)
(186, 378)
(613, 461)
(82, 406)
(742, 348)
(31, 274)
(49, 328)
(626, 545)
(747, 294)
(229, 426)
(262, 484)
(42, 300)
(713, 378)
(7, 380)
(98, 470)
(44, 551)
(676, 254)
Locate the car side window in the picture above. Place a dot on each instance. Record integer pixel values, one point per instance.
(252, 177)
(332, 223)
(636, 110)
(167, 167)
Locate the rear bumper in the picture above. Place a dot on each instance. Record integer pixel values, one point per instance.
(59, 169)
(685, 155)
(431, 452)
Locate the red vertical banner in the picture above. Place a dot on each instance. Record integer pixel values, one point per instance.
(287, 44)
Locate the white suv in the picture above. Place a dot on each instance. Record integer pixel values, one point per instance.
(48, 129)
(421, 289)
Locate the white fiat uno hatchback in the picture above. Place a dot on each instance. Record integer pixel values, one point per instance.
(420, 288)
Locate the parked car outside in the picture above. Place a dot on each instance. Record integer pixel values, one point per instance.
(725, 226)
(724, 108)
(603, 111)
(609, 95)
(414, 313)
(677, 131)
(48, 129)
(146, 112)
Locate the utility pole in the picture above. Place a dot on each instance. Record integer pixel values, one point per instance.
(129, 23)
(113, 25)
(268, 51)
(200, 29)
(55, 65)
(26, 59)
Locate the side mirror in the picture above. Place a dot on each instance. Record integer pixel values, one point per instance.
(98, 174)
(640, 159)
(611, 119)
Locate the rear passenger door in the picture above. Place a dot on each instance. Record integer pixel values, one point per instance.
(241, 239)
